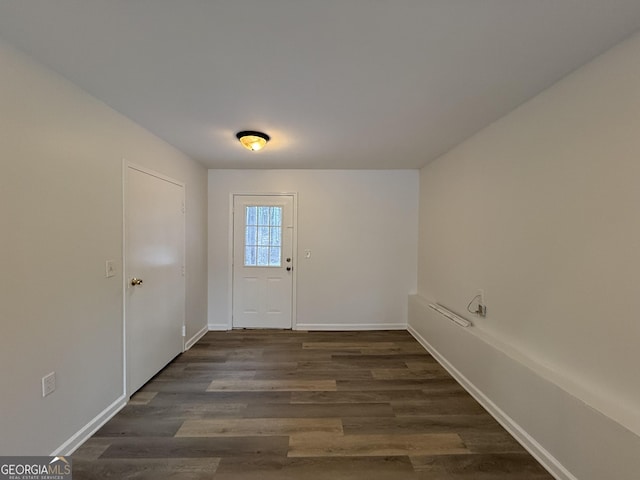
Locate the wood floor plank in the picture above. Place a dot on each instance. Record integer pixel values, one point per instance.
(428, 362)
(140, 427)
(332, 410)
(401, 355)
(142, 398)
(451, 405)
(491, 442)
(394, 384)
(203, 447)
(302, 374)
(316, 468)
(240, 385)
(359, 397)
(297, 356)
(443, 388)
(285, 405)
(147, 468)
(175, 386)
(239, 366)
(153, 414)
(407, 374)
(92, 449)
(427, 424)
(211, 399)
(203, 376)
(351, 364)
(480, 467)
(325, 445)
(357, 346)
(258, 427)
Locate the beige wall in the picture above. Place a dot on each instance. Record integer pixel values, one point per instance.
(541, 209)
(361, 227)
(61, 157)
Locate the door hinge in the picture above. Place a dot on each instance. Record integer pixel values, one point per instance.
(183, 209)
(183, 270)
(184, 330)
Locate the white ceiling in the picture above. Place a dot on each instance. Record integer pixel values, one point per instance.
(336, 83)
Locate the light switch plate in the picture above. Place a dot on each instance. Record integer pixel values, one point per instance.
(110, 268)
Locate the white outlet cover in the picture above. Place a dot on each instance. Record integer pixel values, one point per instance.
(48, 384)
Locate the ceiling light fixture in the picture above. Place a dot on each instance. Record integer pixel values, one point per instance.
(252, 140)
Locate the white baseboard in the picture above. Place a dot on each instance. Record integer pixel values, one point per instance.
(339, 327)
(82, 435)
(569, 437)
(218, 327)
(534, 448)
(334, 327)
(192, 341)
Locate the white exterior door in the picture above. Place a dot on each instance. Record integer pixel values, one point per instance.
(263, 261)
(154, 276)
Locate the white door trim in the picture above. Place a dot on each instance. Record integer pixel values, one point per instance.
(125, 166)
(294, 247)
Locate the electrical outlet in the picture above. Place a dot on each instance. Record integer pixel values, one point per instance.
(482, 306)
(481, 295)
(48, 384)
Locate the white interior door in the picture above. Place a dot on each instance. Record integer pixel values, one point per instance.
(154, 277)
(262, 261)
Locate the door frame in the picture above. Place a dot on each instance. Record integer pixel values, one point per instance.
(294, 247)
(126, 165)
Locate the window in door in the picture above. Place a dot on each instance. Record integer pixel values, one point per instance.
(263, 236)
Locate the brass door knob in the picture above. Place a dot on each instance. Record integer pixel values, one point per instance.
(136, 281)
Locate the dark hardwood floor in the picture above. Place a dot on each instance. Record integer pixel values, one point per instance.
(254, 404)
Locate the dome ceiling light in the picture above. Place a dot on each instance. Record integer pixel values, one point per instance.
(251, 140)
